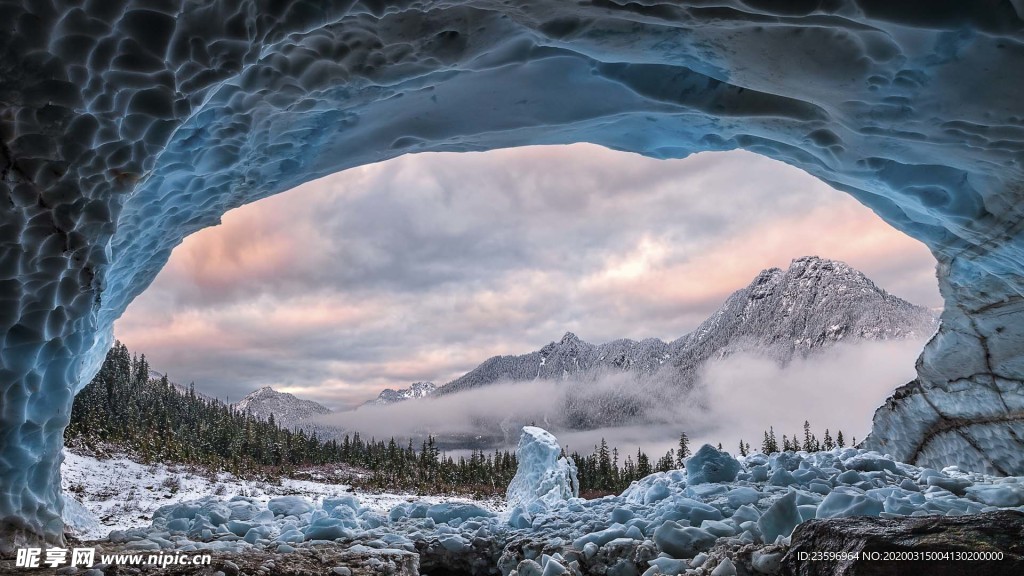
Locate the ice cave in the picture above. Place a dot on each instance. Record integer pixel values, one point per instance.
(128, 124)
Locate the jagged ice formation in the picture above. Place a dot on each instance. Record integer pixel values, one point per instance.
(126, 125)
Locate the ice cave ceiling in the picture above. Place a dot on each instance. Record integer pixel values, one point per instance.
(126, 125)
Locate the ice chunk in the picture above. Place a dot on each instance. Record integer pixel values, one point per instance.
(448, 511)
(543, 479)
(957, 486)
(870, 462)
(83, 524)
(838, 504)
(601, 537)
(349, 501)
(682, 541)
(746, 513)
(289, 505)
(454, 543)
(1003, 494)
(243, 508)
(724, 568)
(669, 565)
(782, 477)
(744, 495)
(717, 527)
(780, 518)
(711, 465)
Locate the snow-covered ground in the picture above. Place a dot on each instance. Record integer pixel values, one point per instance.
(668, 523)
(121, 493)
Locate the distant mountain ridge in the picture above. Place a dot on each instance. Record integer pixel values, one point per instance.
(286, 408)
(416, 390)
(781, 314)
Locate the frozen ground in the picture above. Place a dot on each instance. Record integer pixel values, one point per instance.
(667, 523)
(121, 494)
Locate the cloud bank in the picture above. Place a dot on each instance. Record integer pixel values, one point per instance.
(739, 397)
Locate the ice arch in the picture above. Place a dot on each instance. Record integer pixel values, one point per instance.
(128, 124)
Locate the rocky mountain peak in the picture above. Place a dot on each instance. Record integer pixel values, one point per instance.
(415, 390)
(286, 408)
(814, 303)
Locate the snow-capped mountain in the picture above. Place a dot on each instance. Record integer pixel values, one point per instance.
(286, 408)
(783, 313)
(416, 390)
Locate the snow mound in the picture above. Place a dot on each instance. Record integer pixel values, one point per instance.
(544, 479)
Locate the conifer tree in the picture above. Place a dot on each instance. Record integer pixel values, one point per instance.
(643, 464)
(770, 445)
(684, 450)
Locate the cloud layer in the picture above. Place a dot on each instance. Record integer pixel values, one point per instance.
(421, 267)
(739, 397)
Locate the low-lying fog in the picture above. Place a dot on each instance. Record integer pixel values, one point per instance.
(739, 396)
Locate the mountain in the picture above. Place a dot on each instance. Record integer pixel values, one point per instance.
(417, 390)
(782, 314)
(286, 408)
(181, 388)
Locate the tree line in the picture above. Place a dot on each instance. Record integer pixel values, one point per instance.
(125, 408)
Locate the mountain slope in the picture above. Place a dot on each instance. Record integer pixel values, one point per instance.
(416, 390)
(781, 314)
(181, 388)
(286, 408)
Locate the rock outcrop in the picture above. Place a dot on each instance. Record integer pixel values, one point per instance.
(126, 126)
(991, 543)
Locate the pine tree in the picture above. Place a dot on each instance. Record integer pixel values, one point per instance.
(605, 477)
(643, 464)
(743, 450)
(808, 442)
(827, 442)
(684, 450)
(840, 442)
(770, 445)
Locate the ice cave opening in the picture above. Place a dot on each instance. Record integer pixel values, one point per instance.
(128, 125)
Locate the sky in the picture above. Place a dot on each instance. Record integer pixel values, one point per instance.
(421, 267)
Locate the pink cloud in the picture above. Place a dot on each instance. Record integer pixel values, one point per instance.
(263, 285)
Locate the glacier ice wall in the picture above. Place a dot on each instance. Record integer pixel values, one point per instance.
(126, 125)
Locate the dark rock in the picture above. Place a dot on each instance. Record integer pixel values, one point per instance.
(989, 544)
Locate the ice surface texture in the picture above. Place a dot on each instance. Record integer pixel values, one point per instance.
(127, 125)
(544, 479)
(663, 520)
